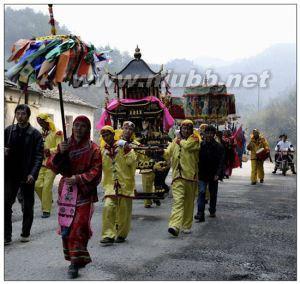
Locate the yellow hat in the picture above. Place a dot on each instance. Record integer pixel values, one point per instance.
(46, 117)
(256, 130)
(186, 122)
(107, 128)
(203, 126)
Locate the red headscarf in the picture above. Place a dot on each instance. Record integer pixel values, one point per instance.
(84, 119)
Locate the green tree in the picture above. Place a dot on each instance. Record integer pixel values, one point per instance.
(25, 23)
(279, 117)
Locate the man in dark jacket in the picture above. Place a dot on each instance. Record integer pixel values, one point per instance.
(211, 159)
(23, 160)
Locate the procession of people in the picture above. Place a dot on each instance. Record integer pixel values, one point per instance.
(199, 161)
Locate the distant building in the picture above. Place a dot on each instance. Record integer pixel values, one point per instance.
(46, 101)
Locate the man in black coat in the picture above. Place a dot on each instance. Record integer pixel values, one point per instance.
(211, 160)
(23, 159)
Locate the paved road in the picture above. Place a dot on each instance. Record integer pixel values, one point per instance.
(252, 238)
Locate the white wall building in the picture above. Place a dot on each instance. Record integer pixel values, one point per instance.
(47, 101)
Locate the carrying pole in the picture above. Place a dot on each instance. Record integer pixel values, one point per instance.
(61, 102)
(62, 111)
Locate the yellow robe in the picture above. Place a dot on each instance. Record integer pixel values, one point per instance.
(147, 175)
(184, 161)
(254, 145)
(184, 158)
(257, 166)
(116, 215)
(44, 183)
(122, 168)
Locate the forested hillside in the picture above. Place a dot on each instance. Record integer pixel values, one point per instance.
(279, 117)
(278, 101)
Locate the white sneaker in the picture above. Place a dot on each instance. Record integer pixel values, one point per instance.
(25, 239)
(186, 231)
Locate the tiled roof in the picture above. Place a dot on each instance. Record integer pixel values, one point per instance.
(137, 68)
(52, 94)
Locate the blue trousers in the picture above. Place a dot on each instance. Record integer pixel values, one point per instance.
(213, 191)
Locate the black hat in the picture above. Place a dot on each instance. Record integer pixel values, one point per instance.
(210, 128)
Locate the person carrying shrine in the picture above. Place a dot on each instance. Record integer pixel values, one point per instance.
(44, 183)
(79, 162)
(257, 141)
(148, 175)
(149, 179)
(183, 153)
(119, 165)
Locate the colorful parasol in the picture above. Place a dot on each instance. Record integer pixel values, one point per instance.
(50, 60)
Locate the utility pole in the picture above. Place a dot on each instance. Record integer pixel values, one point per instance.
(258, 97)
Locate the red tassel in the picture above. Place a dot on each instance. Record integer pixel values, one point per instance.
(51, 21)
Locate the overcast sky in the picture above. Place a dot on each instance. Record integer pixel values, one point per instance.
(227, 32)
